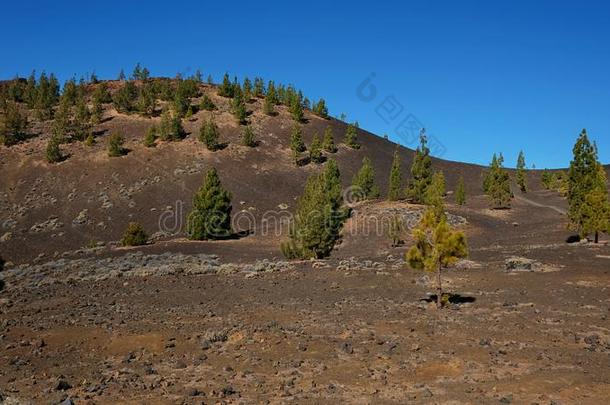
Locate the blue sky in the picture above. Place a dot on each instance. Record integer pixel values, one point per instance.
(481, 76)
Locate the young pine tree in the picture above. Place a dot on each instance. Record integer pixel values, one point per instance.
(596, 208)
(421, 171)
(315, 150)
(521, 177)
(211, 214)
(134, 235)
(248, 138)
(296, 109)
(350, 138)
(13, 124)
(296, 142)
(319, 216)
(395, 183)
(328, 143)
(435, 194)
(208, 134)
(364, 180)
(460, 193)
(150, 137)
(54, 154)
(115, 145)
(587, 190)
(437, 246)
(497, 184)
(239, 108)
(207, 104)
(268, 105)
(320, 108)
(170, 128)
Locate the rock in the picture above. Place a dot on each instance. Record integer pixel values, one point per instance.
(6, 237)
(67, 401)
(62, 385)
(205, 344)
(82, 218)
(521, 264)
(506, 399)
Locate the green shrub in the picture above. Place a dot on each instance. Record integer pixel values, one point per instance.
(115, 145)
(134, 235)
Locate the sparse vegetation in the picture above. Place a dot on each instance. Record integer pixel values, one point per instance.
(134, 235)
(211, 214)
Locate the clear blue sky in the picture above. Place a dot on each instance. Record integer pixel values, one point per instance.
(481, 76)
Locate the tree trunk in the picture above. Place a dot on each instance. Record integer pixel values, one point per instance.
(439, 289)
(596, 237)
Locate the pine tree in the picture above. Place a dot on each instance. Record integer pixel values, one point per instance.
(90, 140)
(54, 154)
(296, 109)
(421, 171)
(208, 134)
(364, 180)
(121, 75)
(460, 193)
(13, 124)
(596, 208)
(395, 184)
(320, 108)
(259, 87)
(319, 216)
(170, 128)
(150, 137)
(296, 142)
(248, 138)
(497, 184)
(315, 150)
(436, 246)
(546, 179)
(328, 143)
(115, 145)
(97, 111)
(587, 190)
(226, 89)
(272, 94)
(521, 179)
(435, 193)
(239, 108)
(247, 89)
(81, 123)
(134, 235)
(211, 214)
(124, 98)
(207, 103)
(350, 138)
(268, 105)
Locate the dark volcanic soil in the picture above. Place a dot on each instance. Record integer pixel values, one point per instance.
(232, 322)
(353, 329)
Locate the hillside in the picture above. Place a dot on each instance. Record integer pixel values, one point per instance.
(41, 202)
